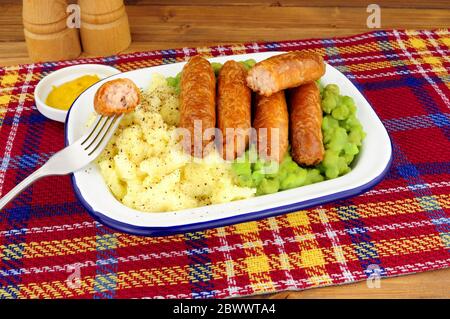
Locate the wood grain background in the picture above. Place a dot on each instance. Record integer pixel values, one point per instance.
(164, 24)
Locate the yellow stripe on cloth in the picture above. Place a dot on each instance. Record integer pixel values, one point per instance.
(364, 48)
(389, 247)
(382, 209)
(85, 244)
(375, 66)
(310, 256)
(75, 246)
(421, 46)
(257, 263)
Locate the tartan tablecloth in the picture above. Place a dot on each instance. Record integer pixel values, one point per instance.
(47, 239)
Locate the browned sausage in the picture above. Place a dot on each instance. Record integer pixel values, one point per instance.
(197, 103)
(116, 97)
(285, 71)
(271, 113)
(306, 125)
(233, 109)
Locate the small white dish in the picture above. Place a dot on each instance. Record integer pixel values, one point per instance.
(372, 164)
(56, 78)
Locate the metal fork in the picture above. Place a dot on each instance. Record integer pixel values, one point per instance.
(73, 157)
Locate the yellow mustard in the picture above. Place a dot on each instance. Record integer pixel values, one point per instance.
(61, 97)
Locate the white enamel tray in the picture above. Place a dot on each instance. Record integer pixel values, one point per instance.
(372, 164)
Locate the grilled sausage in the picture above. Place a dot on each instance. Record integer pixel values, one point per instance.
(271, 113)
(285, 71)
(197, 103)
(116, 97)
(233, 109)
(306, 125)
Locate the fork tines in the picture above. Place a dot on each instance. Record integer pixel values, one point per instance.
(103, 127)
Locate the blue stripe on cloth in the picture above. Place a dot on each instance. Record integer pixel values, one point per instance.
(424, 196)
(272, 46)
(199, 265)
(28, 119)
(49, 66)
(17, 218)
(363, 246)
(169, 56)
(15, 243)
(105, 283)
(110, 60)
(49, 210)
(169, 53)
(396, 83)
(24, 161)
(169, 60)
(424, 169)
(427, 102)
(419, 121)
(441, 119)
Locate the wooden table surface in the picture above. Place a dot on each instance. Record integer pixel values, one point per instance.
(164, 24)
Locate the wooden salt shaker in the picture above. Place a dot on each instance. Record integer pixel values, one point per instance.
(104, 27)
(46, 32)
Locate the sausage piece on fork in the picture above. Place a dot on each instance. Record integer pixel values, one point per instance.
(116, 97)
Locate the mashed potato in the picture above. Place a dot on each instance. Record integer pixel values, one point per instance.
(146, 169)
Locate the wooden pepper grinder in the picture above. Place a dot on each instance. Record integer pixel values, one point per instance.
(46, 32)
(104, 27)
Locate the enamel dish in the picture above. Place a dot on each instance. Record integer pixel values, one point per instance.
(369, 168)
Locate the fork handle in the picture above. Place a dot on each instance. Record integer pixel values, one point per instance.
(41, 172)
